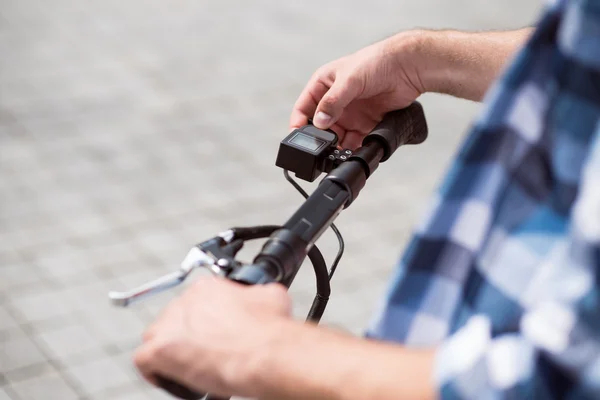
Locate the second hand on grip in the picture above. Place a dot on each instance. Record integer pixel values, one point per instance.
(183, 392)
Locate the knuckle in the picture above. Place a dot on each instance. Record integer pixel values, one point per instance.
(165, 349)
(142, 359)
(353, 80)
(277, 294)
(326, 74)
(273, 289)
(329, 102)
(323, 71)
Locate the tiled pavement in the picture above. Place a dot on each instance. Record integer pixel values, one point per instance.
(129, 130)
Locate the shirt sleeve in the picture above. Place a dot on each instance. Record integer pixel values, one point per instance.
(555, 350)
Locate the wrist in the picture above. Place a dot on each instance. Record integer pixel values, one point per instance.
(464, 64)
(294, 365)
(308, 362)
(436, 59)
(460, 64)
(408, 53)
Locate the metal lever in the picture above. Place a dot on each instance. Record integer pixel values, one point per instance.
(216, 254)
(195, 258)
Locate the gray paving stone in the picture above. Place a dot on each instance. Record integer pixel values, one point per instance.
(134, 391)
(11, 333)
(40, 305)
(67, 341)
(6, 320)
(15, 276)
(128, 396)
(18, 353)
(48, 324)
(157, 394)
(29, 372)
(64, 262)
(98, 375)
(125, 361)
(116, 327)
(44, 387)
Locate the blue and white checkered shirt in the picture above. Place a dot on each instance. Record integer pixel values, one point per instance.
(503, 275)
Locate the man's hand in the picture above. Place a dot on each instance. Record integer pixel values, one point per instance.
(350, 95)
(227, 339)
(209, 337)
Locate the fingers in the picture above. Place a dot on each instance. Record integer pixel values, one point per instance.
(306, 105)
(183, 343)
(352, 140)
(324, 100)
(158, 353)
(144, 363)
(164, 351)
(162, 358)
(333, 103)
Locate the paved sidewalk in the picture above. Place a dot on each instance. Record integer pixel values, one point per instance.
(130, 130)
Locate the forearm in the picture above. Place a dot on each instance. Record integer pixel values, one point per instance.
(315, 363)
(464, 64)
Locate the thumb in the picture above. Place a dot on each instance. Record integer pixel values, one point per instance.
(333, 103)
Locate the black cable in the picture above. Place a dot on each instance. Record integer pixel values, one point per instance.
(340, 252)
(323, 286)
(338, 257)
(294, 183)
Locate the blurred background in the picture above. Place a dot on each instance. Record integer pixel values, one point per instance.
(130, 130)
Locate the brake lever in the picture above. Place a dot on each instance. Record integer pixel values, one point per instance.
(216, 254)
(196, 258)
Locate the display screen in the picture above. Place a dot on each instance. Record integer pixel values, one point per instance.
(308, 142)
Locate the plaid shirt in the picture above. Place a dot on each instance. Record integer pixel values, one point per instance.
(503, 273)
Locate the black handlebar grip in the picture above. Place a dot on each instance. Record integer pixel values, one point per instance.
(405, 126)
(182, 392)
(178, 390)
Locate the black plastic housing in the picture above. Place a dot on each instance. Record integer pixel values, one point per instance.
(307, 163)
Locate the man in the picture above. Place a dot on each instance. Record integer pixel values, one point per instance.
(498, 293)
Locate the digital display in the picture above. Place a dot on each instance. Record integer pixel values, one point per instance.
(308, 142)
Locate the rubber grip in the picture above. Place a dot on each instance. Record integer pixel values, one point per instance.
(178, 390)
(405, 126)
